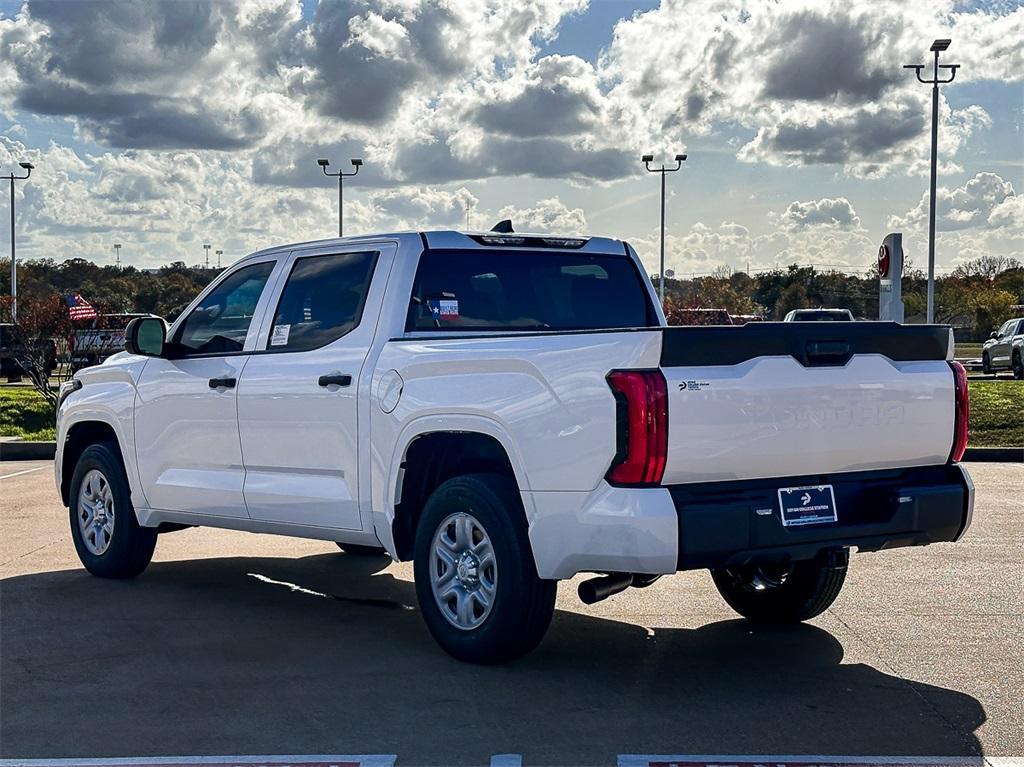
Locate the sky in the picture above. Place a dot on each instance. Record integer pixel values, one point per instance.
(166, 125)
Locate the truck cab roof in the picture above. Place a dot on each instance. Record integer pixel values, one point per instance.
(467, 239)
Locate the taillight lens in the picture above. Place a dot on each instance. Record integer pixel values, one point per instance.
(642, 402)
(962, 414)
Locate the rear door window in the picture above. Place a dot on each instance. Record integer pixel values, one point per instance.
(480, 290)
(322, 301)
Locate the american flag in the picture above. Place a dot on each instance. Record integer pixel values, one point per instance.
(79, 308)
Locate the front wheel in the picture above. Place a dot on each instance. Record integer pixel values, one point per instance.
(783, 593)
(1018, 366)
(986, 364)
(108, 538)
(476, 580)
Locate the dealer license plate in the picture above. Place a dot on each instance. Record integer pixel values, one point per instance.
(812, 505)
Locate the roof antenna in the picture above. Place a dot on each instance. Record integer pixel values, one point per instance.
(503, 227)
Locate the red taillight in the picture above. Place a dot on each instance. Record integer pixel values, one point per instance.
(642, 404)
(962, 412)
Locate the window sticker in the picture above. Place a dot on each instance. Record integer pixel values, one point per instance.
(280, 336)
(444, 309)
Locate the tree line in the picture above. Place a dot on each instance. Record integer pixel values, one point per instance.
(975, 297)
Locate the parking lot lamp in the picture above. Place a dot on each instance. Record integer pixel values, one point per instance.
(117, 253)
(341, 176)
(219, 254)
(206, 247)
(937, 47)
(647, 159)
(28, 168)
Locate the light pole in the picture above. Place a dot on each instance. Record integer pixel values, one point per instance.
(935, 82)
(117, 253)
(647, 159)
(341, 175)
(219, 254)
(28, 168)
(206, 247)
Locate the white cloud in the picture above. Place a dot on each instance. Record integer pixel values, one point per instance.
(1008, 213)
(827, 211)
(986, 199)
(816, 82)
(547, 216)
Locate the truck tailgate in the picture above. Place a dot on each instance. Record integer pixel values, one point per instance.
(798, 399)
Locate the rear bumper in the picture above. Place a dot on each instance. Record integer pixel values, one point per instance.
(728, 524)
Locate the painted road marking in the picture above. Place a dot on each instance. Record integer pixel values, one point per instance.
(25, 471)
(348, 760)
(507, 760)
(516, 760)
(721, 760)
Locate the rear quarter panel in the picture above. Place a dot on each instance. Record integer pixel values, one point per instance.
(544, 397)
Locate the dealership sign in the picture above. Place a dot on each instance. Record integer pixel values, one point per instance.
(890, 278)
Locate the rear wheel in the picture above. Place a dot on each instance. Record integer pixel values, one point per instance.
(476, 580)
(107, 536)
(783, 593)
(1018, 366)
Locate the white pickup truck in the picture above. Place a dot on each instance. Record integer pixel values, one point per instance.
(507, 411)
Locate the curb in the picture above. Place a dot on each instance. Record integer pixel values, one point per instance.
(996, 454)
(45, 451)
(27, 451)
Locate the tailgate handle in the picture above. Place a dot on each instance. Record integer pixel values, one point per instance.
(825, 352)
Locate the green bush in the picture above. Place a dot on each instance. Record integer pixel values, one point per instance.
(24, 413)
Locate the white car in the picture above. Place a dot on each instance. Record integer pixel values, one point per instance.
(507, 411)
(819, 315)
(1004, 349)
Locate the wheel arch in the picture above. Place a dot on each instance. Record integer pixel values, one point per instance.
(432, 456)
(79, 436)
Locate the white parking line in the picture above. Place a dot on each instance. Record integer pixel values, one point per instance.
(25, 471)
(724, 760)
(348, 760)
(507, 760)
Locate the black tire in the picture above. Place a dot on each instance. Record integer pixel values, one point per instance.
(784, 593)
(130, 546)
(359, 550)
(523, 604)
(1018, 366)
(986, 365)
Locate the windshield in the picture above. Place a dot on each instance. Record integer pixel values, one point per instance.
(462, 290)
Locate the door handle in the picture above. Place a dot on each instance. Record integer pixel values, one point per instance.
(222, 383)
(334, 379)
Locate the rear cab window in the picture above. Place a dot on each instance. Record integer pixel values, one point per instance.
(527, 290)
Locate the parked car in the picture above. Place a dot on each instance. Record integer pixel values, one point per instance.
(507, 411)
(104, 337)
(1004, 350)
(11, 349)
(819, 315)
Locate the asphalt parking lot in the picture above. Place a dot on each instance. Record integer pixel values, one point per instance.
(240, 644)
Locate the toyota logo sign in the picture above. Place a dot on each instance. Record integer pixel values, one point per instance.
(883, 261)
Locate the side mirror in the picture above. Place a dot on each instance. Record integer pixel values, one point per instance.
(146, 336)
(993, 334)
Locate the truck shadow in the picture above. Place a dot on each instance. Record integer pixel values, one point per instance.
(328, 654)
